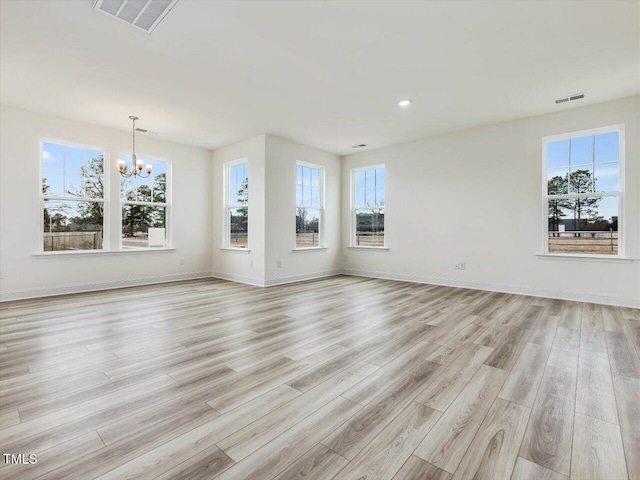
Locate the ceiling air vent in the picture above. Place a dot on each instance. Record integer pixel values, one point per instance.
(360, 145)
(142, 14)
(570, 98)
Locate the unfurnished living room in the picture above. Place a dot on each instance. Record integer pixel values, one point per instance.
(358, 239)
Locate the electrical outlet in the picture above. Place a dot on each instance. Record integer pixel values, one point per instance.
(279, 264)
(463, 265)
(459, 266)
(182, 261)
(251, 264)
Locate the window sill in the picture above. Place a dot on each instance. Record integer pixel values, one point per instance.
(80, 253)
(236, 250)
(581, 258)
(358, 247)
(308, 249)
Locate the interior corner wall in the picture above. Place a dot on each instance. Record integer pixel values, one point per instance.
(476, 197)
(27, 275)
(283, 263)
(242, 266)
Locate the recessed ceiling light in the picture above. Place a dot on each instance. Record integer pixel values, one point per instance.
(404, 103)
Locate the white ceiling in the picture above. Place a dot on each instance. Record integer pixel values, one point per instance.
(328, 74)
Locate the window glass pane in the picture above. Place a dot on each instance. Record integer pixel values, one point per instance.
(52, 181)
(148, 189)
(315, 197)
(581, 180)
(359, 180)
(370, 227)
(370, 178)
(607, 147)
(52, 169)
(298, 174)
(306, 195)
(74, 171)
(158, 180)
(359, 196)
(380, 177)
(307, 227)
(72, 225)
(238, 187)
(94, 174)
(306, 176)
(298, 195)
(142, 224)
(607, 177)
(370, 197)
(557, 183)
(583, 225)
(379, 197)
(233, 194)
(558, 153)
(53, 155)
(581, 150)
(238, 227)
(315, 177)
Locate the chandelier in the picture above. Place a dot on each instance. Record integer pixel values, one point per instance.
(136, 165)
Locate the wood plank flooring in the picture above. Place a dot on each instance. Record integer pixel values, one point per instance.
(339, 378)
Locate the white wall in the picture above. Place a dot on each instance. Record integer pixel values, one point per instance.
(475, 196)
(282, 155)
(468, 186)
(244, 266)
(272, 162)
(25, 274)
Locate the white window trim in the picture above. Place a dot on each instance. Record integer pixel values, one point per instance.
(620, 193)
(321, 236)
(353, 209)
(166, 204)
(105, 200)
(226, 234)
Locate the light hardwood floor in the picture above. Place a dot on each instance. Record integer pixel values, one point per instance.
(339, 378)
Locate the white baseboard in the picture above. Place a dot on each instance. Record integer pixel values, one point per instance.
(10, 295)
(519, 290)
(301, 278)
(256, 282)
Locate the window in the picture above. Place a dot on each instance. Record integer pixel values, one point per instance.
(237, 204)
(144, 207)
(73, 190)
(583, 192)
(368, 202)
(309, 205)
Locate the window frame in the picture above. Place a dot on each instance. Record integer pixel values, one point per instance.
(226, 219)
(613, 193)
(353, 230)
(166, 204)
(105, 198)
(321, 187)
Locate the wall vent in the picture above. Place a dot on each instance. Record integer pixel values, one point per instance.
(142, 14)
(360, 145)
(570, 98)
